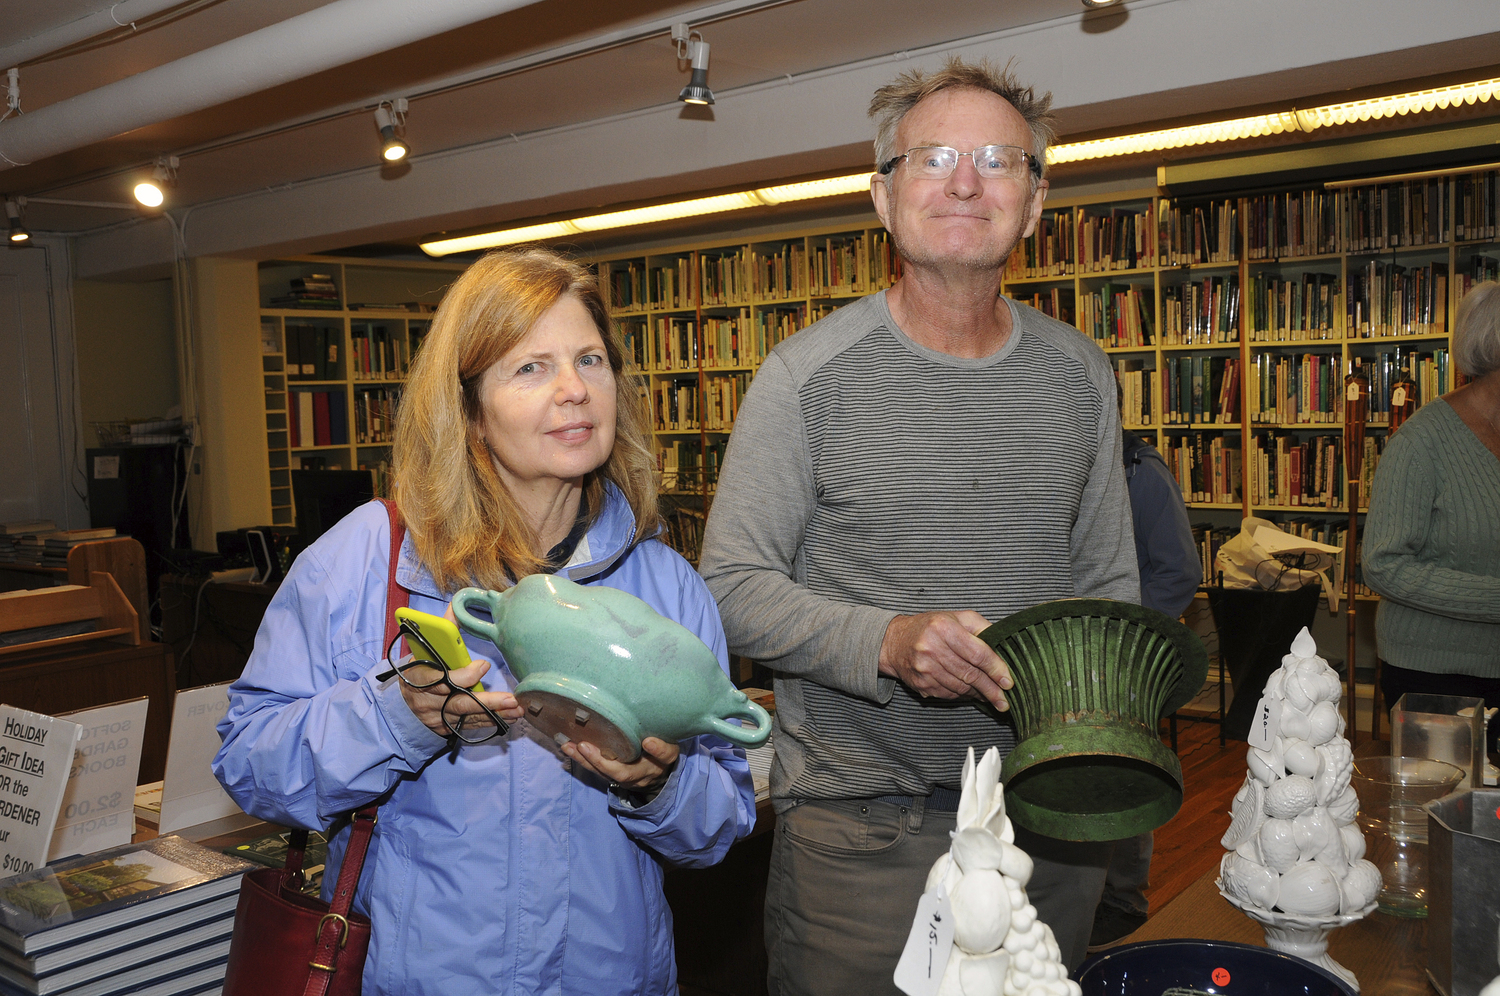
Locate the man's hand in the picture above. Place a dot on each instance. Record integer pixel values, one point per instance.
(937, 655)
(651, 769)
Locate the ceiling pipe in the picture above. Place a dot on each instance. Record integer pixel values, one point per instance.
(333, 35)
(60, 36)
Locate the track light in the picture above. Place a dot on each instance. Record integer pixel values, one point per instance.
(18, 233)
(390, 116)
(697, 91)
(151, 193)
(1096, 4)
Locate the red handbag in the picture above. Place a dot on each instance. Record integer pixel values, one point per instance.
(289, 944)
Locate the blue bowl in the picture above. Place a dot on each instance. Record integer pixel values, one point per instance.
(1152, 967)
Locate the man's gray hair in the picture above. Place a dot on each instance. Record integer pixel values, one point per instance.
(892, 101)
(1476, 330)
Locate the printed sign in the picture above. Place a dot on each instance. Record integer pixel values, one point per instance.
(190, 794)
(98, 803)
(928, 946)
(34, 755)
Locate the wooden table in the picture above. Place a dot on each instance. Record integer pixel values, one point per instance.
(1387, 954)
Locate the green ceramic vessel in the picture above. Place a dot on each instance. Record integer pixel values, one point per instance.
(599, 665)
(1092, 677)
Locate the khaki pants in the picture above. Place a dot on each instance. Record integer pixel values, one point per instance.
(844, 882)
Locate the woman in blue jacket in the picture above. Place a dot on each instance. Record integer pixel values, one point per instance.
(512, 866)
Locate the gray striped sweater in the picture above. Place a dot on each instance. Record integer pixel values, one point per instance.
(868, 477)
(1432, 547)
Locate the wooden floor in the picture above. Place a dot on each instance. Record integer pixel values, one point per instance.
(1189, 844)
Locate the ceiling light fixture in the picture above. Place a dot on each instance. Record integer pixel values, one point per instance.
(696, 52)
(18, 233)
(152, 192)
(1304, 120)
(390, 118)
(1096, 4)
(1260, 125)
(763, 197)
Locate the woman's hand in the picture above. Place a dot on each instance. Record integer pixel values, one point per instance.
(427, 703)
(649, 771)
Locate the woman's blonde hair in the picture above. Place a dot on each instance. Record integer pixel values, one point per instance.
(467, 526)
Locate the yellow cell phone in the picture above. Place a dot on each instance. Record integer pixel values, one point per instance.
(442, 637)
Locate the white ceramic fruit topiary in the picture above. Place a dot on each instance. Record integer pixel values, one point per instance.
(1296, 858)
(1000, 947)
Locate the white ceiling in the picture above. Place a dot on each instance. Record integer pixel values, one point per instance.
(502, 131)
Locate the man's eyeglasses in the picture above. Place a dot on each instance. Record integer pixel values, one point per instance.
(994, 162)
(452, 720)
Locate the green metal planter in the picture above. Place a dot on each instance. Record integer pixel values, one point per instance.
(1092, 678)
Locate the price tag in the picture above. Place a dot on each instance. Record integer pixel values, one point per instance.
(34, 755)
(1398, 396)
(1353, 393)
(925, 958)
(98, 807)
(1266, 724)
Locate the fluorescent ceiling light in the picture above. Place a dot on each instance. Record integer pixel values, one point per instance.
(764, 197)
(1236, 129)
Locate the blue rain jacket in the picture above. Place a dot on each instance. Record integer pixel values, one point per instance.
(503, 870)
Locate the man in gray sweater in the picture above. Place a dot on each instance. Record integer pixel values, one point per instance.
(924, 461)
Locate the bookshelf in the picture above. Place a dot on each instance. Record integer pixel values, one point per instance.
(1262, 301)
(699, 320)
(337, 338)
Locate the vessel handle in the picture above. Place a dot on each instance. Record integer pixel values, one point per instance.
(744, 736)
(478, 627)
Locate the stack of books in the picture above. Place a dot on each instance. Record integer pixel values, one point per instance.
(151, 919)
(55, 546)
(316, 290)
(11, 533)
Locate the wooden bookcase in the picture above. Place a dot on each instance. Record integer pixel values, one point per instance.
(1300, 282)
(355, 348)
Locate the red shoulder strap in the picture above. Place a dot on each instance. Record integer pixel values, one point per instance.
(334, 928)
(396, 597)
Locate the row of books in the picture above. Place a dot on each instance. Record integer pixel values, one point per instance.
(1118, 315)
(685, 532)
(317, 418)
(1429, 370)
(1392, 215)
(312, 352)
(1207, 466)
(375, 414)
(677, 404)
(1140, 392)
(1200, 390)
(1201, 312)
(1050, 251)
(1297, 472)
(1298, 388)
(1476, 210)
(839, 266)
(40, 542)
(1291, 224)
(1199, 233)
(316, 290)
(686, 465)
(1293, 309)
(665, 345)
(1388, 299)
(1054, 302)
(382, 352)
(1123, 239)
(153, 918)
(722, 396)
(1208, 538)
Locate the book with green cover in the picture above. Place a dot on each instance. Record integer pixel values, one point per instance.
(89, 894)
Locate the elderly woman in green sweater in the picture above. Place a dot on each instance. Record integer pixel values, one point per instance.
(1432, 539)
